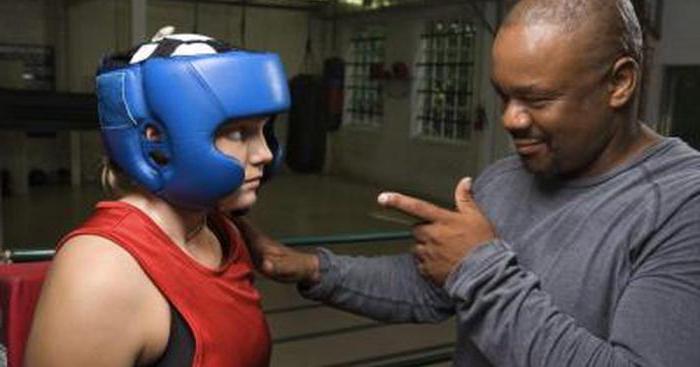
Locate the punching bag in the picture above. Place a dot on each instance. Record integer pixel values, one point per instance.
(306, 136)
(334, 80)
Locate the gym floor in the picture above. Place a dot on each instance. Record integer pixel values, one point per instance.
(304, 333)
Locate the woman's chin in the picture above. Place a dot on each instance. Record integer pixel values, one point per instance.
(238, 202)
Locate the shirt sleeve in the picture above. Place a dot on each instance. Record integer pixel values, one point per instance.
(501, 306)
(386, 288)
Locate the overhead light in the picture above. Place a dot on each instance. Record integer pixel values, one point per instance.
(355, 2)
(369, 4)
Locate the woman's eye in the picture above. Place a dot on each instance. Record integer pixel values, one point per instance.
(235, 135)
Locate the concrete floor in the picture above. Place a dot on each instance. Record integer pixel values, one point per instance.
(304, 333)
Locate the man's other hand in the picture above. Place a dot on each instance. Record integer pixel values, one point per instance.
(277, 261)
(447, 236)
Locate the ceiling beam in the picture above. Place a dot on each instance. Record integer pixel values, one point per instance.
(343, 12)
(309, 5)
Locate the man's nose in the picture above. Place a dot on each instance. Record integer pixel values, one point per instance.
(516, 116)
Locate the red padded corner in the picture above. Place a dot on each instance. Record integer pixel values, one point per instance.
(20, 285)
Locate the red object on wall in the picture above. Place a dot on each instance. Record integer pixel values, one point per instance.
(20, 285)
(377, 72)
(400, 71)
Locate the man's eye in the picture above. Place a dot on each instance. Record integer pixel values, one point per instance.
(538, 102)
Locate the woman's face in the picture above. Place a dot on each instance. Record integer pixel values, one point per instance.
(244, 141)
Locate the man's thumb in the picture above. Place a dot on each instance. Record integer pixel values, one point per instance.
(463, 195)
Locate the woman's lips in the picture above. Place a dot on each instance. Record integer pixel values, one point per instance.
(252, 182)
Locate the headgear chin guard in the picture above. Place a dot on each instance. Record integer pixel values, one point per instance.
(186, 87)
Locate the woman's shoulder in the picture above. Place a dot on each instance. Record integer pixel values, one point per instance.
(98, 264)
(96, 297)
(100, 274)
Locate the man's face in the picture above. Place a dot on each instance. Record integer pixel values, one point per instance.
(555, 102)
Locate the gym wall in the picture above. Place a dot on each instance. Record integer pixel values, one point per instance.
(679, 46)
(29, 22)
(390, 156)
(82, 31)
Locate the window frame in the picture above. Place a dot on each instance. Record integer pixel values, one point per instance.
(463, 103)
(359, 84)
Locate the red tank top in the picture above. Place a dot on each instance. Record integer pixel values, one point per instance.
(221, 307)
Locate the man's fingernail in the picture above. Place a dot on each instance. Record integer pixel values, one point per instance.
(383, 198)
(467, 181)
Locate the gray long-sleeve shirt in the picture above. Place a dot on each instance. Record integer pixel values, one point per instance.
(602, 271)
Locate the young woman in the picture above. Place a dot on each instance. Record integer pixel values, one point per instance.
(160, 276)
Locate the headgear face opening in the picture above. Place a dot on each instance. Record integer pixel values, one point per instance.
(185, 95)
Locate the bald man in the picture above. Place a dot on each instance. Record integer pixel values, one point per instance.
(583, 249)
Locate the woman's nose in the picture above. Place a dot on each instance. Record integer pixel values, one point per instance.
(260, 152)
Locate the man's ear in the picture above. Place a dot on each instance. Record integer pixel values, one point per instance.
(623, 81)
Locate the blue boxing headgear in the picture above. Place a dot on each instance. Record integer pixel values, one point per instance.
(187, 96)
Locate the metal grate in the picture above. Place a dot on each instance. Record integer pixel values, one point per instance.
(446, 80)
(364, 96)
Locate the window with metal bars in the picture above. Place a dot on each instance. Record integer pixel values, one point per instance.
(446, 83)
(364, 104)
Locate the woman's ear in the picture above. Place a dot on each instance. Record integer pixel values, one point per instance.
(623, 81)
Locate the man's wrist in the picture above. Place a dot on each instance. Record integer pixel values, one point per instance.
(313, 274)
(471, 266)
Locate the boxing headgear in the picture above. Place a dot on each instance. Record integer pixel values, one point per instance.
(186, 87)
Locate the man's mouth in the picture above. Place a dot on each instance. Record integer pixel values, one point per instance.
(529, 146)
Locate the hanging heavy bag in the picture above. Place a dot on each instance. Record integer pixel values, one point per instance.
(334, 80)
(306, 137)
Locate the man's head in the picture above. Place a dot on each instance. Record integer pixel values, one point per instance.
(568, 71)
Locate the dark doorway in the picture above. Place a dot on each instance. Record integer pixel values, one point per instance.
(682, 107)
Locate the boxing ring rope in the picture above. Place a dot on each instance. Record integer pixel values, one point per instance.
(22, 255)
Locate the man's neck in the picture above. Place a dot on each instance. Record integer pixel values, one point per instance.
(620, 149)
(640, 138)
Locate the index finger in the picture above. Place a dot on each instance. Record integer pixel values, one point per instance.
(409, 205)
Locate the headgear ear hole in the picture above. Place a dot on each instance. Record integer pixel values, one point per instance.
(159, 157)
(152, 134)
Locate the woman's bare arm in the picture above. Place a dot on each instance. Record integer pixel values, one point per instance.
(97, 308)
